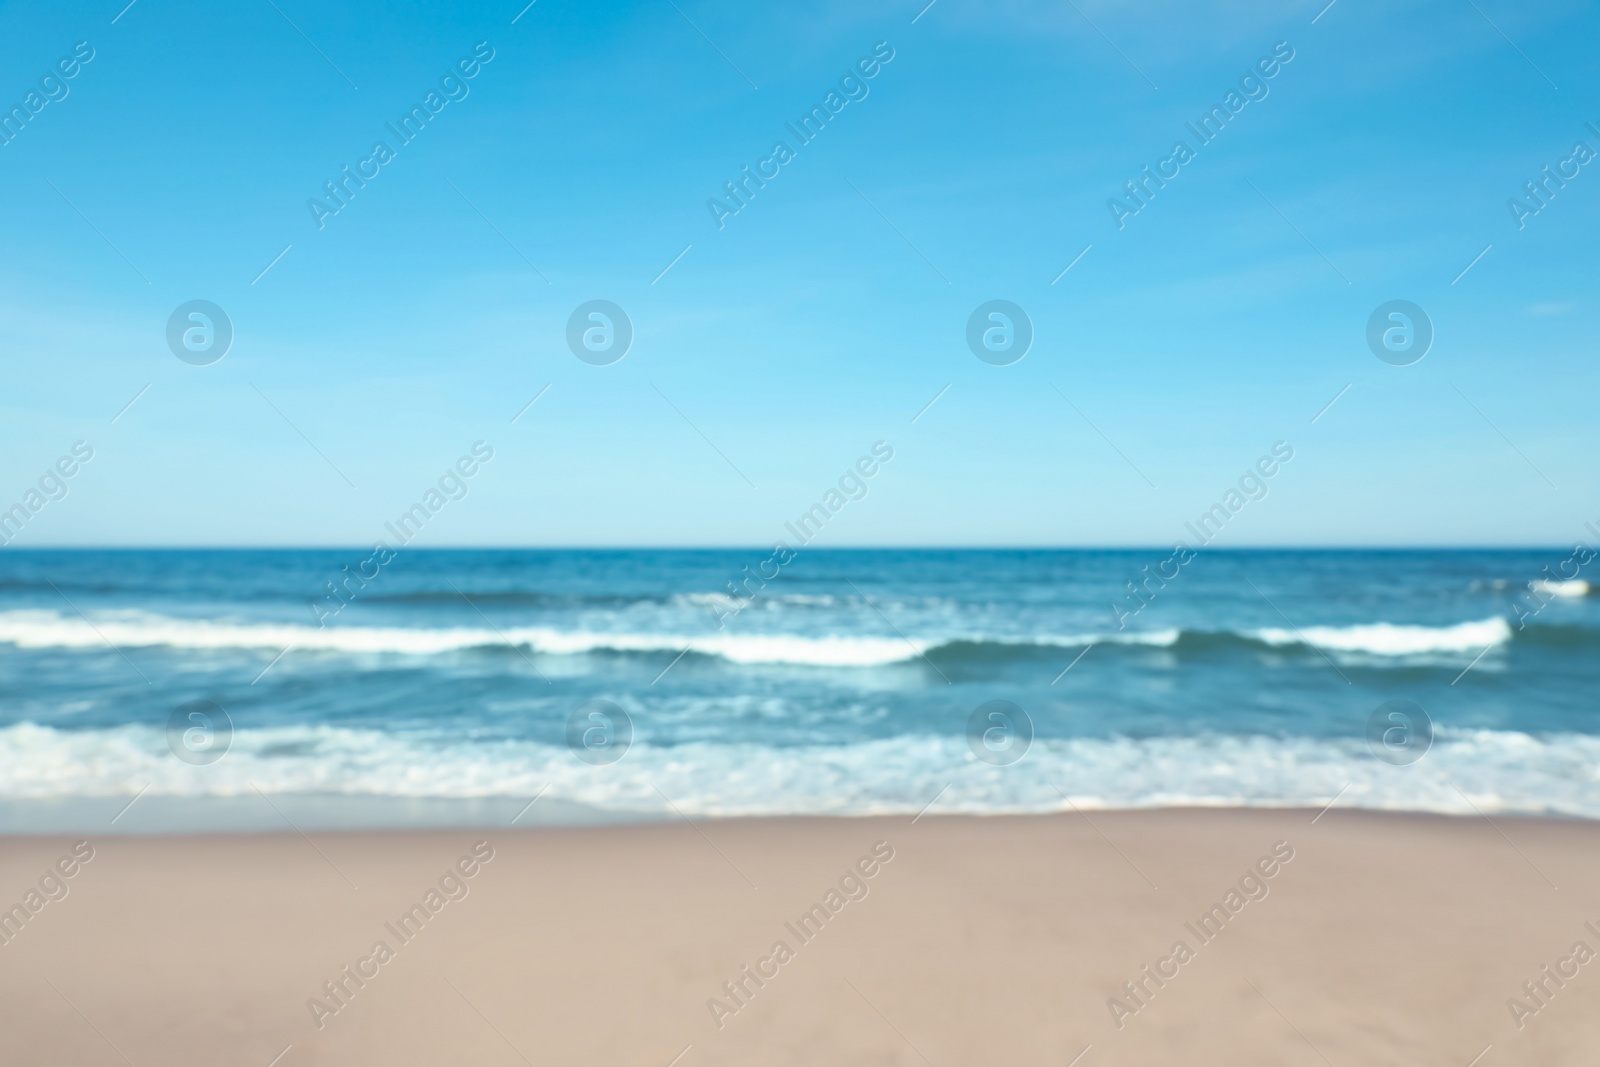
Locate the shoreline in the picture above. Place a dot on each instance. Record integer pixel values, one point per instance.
(343, 813)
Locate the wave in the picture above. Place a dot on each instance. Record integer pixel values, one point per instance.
(1386, 640)
(1389, 639)
(45, 629)
(724, 601)
(529, 598)
(1501, 771)
(1572, 588)
(513, 598)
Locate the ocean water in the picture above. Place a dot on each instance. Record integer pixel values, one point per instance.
(847, 684)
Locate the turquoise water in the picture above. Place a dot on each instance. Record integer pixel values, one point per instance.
(840, 682)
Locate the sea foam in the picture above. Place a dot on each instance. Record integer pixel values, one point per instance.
(1499, 770)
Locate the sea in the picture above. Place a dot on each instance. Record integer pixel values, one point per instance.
(182, 690)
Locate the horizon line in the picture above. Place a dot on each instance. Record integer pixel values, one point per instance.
(754, 547)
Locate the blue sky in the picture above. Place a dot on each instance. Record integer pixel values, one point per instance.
(832, 308)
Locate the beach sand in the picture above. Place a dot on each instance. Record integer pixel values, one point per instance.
(1386, 939)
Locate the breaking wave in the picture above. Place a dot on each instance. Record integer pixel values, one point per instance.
(44, 629)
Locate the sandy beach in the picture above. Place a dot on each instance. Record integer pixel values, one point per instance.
(1360, 938)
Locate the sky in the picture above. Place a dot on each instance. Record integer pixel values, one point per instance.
(984, 159)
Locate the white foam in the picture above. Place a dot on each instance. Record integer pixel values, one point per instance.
(1155, 638)
(1502, 771)
(43, 629)
(727, 602)
(714, 601)
(1389, 639)
(1571, 587)
(811, 651)
(132, 629)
